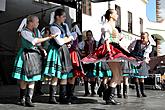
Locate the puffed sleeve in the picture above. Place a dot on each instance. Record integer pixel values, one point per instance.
(148, 51)
(106, 31)
(55, 30)
(28, 36)
(68, 32)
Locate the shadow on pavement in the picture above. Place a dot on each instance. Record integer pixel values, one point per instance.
(45, 99)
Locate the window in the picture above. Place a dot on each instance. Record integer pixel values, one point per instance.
(118, 23)
(129, 22)
(86, 7)
(141, 25)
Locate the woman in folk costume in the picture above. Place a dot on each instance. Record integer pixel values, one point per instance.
(59, 65)
(112, 53)
(27, 66)
(78, 71)
(141, 48)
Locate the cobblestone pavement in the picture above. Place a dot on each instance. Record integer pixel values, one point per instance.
(154, 101)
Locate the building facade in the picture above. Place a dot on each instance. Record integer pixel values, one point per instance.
(132, 21)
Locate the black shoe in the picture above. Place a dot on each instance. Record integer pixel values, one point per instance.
(142, 89)
(62, 95)
(86, 94)
(93, 94)
(29, 96)
(138, 95)
(65, 101)
(144, 95)
(21, 101)
(28, 102)
(119, 96)
(108, 96)
(112, 101)
(22, 97)
(53, 100)
(125, 95)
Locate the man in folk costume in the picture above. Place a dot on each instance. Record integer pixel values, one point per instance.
(141, 49)
(90, 73)
(27, 66)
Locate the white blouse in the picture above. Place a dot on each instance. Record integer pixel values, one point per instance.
(55, 30)
(28, 35)
(107, 31)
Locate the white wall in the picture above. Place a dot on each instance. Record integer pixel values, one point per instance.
(138, 10)
(94, 22)
(136, 7)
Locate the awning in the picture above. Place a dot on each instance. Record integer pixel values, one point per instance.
(95, 1)
(70, 3)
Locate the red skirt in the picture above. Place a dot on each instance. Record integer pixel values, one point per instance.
(117, 54)
(76, 63)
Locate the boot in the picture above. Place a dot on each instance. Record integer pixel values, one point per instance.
(52, 92)
(70, 96)
(101, 89)
(106, 93)
(119, 91)
(87, 93)
(142, 89)
(62, 94)
(125, 91)
(108, 96)
(137, 89)
(73, 97)
(93, 84)
(22, 97)
(29, 96)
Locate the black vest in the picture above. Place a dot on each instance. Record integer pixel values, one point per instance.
(138, 51)
(63, 31)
